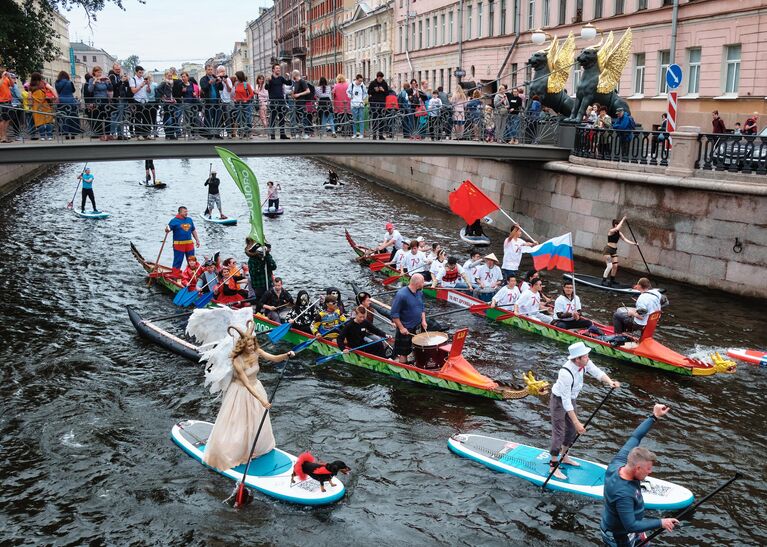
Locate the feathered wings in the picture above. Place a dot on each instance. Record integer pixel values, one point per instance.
(560, 60)
(612, 60)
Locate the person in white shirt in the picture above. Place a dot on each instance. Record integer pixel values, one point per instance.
(399, 255)
(415, 262)
(435, 249)
(489, 277)
(507, 295)
(437, 264)
(140, 87)
(512, 251)
(226, 97)
(650, 300)
(452, 276)
(472, 265)
(567, 310)
(358, 92)
(564, 420)
(391, 237)
(434, 112)
(529, 303)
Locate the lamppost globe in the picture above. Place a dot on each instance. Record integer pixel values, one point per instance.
(538, 37)
(589, 32)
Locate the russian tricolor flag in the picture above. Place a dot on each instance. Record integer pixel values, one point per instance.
(556, 253)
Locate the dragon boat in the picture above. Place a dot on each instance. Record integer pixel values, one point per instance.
(641, 351)
(455, 374)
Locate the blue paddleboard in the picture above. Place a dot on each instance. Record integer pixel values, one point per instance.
(91, 214)
(223, 222)
(532, 464)
(269, 474)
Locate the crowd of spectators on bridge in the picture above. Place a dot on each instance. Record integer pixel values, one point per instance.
(114, 105)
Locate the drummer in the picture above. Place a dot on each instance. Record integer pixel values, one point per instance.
(408, 315)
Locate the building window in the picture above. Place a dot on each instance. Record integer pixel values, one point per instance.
(450, 27)
(469, 9)
(420, 34)
(562, 11)
(502, 26)
(513, 74)
(428, 33)
(545, 15)
(412, 35)
(639, 74)
(531, 15)
(94, 58)
(515, 17)
(618, 7)
(732, 73)
(642, 5)
(400, 37)
(442, 78)
(434, 31)
(664, 59)
(528, 73)
(491, 19)
(444, 36)
(577, 73)
(479, 19)
(597, 9)
(693, 63)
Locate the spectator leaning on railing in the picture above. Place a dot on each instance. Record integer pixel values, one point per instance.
(66, 109)
(140, 86)
(6, 100)
(342, 105)
(717, 123)
(274, 85)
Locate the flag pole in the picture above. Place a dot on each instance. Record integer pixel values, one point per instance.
(531, 238)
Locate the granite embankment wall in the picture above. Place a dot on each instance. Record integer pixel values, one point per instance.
(15, 174)
(687, 226)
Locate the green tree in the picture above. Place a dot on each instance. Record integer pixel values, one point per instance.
(130, 63)
(27, 37)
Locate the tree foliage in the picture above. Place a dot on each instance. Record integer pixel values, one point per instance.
(129, 63)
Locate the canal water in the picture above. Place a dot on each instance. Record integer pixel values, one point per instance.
(86, 407)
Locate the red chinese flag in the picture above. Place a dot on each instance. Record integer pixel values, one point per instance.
(470, 203)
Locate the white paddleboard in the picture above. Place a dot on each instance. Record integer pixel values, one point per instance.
(91, 214)
(532, 464)
(479, 241)
(752, 356)
(269, 474)
(223, 222)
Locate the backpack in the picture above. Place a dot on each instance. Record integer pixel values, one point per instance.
(403, 100)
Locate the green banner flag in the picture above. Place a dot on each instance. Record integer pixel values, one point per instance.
(247, 182)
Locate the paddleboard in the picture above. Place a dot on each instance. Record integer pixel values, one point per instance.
(269, 474)
(272, 213)
(479, 241)
(751, 356)
(532, 464)
(91, 214)
(215, 220)
(596, 282)
(157, 186)
(329, 186)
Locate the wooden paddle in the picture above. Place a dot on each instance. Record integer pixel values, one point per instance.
(71, 203)
(156, 262)
(473, 309)
(378, 266)
(638, 247)
(691, 509)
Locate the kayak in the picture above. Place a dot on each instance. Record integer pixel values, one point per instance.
(269, 474)
(596, 282)
(222, 222)
(272, 213)
(751, 356)
(153, 333)
(155, 186)
(456, 374)
(479, 241)
(532, 464)
(92, 214)
(643, 351)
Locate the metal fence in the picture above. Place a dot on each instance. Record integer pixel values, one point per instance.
(197, 119)
(733, 153)
(634, 146)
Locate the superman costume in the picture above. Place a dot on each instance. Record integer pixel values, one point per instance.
(183, 244)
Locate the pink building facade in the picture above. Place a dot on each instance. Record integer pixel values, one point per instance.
(718, 44)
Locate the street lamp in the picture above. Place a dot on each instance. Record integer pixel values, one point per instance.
(539, 36)
(589, 31)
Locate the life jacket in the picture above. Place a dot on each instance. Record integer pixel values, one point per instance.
(450, 276)
(327, 321)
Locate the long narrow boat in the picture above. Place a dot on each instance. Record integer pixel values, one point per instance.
(457, 374)
(647, 351)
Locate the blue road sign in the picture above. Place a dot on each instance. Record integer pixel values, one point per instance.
(674, 76)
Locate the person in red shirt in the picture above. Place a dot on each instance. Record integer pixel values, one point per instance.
(391, 104)
(243, 104)
(750, 127)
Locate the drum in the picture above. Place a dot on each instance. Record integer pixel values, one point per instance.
(426, 349)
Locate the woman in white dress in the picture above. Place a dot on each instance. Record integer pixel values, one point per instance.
(244, 403)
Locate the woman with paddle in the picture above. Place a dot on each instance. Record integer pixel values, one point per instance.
(611, 251)
(243, 406)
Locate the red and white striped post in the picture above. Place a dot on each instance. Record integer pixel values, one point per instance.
(671, 110)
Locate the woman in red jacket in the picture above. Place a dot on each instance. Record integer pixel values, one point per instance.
(243, 105)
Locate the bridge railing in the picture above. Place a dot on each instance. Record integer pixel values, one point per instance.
(197, 119)
(628, 146)
(732, 153)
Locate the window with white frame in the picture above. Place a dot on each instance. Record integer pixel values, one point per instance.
(597, 9)
(664, 59)
(502, 24)
(531, 14)
(693, 70)
(732, 69)
(642, 5)
(434, 30)
(469, 10)
(515, 18)
(428, 34)
(480, 6)
(618, 7)
(562, 11)
(444, 36)
(420, 34)
(577, 74)
(545, 15)
(638, 74)
(491, 19)
(450, 27)
(513, 74)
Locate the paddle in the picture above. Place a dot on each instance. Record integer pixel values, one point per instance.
(392, 279)
(208, 212)
(473, 309)
(182, 294)
(71, 203)
(157, 262)
(326, 358)
(691, 509)
(378, 266)
(562, 457)
(240, 497)
(278, 333)
(306, 343)
(638, 247)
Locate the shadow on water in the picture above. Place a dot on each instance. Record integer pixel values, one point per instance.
(86, 407)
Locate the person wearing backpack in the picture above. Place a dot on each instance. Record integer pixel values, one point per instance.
(625, 124)
(357, 92)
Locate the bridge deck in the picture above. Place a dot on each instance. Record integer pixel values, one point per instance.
(83, 150)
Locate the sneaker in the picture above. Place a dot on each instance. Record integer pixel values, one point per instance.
(380, 138)
(305, 136)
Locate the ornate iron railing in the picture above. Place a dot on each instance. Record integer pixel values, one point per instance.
(733, 153)
(635, 146)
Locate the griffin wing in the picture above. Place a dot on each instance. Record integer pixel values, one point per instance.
(614, 63)
(560, 70)
(603, 50)
(551, 55)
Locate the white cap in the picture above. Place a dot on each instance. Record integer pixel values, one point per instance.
(419, 239)
(578, 349)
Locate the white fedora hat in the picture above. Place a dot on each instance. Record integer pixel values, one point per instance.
(578, 349)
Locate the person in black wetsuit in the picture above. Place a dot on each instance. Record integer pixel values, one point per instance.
(214, 198)
(149, 168)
